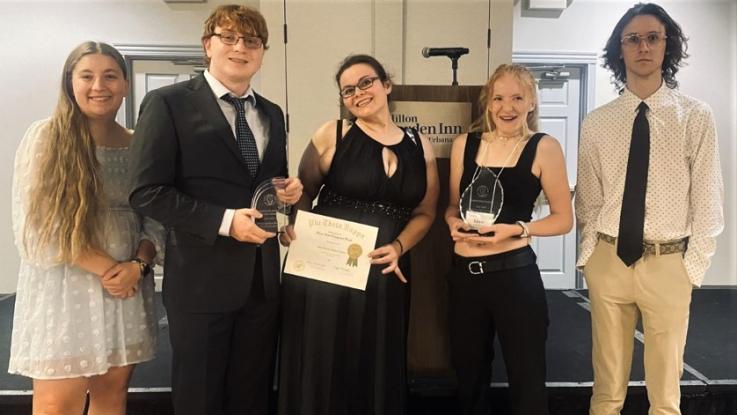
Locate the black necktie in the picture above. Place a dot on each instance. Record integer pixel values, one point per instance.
(243, 134)
(632, 217)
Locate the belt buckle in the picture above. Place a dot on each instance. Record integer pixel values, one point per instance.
(478, 270)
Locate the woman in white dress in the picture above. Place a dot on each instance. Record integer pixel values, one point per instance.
(84, 311)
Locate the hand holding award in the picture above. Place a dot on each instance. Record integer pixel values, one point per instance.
(482, 200)
(275, 211)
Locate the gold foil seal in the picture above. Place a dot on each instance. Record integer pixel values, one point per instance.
(354, 251)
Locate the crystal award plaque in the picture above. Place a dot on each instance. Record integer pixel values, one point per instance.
(265, 201)
(482, 200)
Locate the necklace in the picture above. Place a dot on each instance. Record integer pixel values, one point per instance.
(509, 156)
(490, 184)
(479, 168)
(505, 138)
(477, 172)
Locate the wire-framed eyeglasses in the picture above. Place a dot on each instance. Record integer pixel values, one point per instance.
(363, 84)
(231, 38)
(633, 40)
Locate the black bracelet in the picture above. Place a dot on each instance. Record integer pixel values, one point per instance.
(401, 247)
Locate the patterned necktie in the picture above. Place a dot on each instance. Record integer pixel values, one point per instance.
(632, 217)
(243, 134)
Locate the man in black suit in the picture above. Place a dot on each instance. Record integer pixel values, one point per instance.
(200, 149)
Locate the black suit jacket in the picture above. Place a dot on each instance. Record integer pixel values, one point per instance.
(186, 170)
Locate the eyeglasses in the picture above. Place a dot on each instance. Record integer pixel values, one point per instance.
(363, 84)
(652, 39)
(230, 38)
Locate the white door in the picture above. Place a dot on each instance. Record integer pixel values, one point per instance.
(560, 98)
(149, 75)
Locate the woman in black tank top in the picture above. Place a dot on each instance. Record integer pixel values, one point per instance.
(495, 285)
(343, 350)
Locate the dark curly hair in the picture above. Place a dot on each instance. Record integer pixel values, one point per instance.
(675, 47)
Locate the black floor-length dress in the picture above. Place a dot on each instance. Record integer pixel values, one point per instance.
(343, 350)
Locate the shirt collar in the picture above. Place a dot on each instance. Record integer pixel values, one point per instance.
(656, 100)
(219, 89)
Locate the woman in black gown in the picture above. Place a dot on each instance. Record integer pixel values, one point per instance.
(343, 350)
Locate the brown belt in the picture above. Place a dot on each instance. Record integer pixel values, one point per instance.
(654, 248)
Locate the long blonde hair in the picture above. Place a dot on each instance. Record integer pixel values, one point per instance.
(66, 200)
(484, 123)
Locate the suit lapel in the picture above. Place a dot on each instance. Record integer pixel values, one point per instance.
(207, 105)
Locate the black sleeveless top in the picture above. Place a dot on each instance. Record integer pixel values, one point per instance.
(521, 187)
(357, 169)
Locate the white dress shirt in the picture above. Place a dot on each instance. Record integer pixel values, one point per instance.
(256, 119)
(685, 191)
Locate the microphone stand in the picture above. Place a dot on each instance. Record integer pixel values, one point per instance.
(452, 53)
(454, 67)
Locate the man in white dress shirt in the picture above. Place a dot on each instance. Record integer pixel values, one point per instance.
(649, 207)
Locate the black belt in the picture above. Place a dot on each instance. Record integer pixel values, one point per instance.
(517, 258)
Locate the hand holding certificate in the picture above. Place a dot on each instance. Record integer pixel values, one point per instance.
(331, 250)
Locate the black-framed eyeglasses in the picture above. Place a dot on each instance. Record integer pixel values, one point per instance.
(231, 38)
(363, 84)
(633, 40)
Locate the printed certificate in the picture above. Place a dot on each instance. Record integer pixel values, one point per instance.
(331, 250)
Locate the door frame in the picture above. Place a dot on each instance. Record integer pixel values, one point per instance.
(179, 54)
(586, 62)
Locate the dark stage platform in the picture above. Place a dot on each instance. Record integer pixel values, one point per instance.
(709, 383)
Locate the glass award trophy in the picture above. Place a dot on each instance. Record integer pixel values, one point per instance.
(275, 213)
(482, 200)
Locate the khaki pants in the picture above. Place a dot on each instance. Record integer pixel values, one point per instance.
(658, 288)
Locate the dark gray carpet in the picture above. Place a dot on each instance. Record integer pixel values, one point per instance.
(709, 384)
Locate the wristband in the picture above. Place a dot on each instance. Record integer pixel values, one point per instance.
(401, 247)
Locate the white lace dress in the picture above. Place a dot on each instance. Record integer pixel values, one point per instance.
(65, 323)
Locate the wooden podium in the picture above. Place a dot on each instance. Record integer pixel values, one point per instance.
(428, 353)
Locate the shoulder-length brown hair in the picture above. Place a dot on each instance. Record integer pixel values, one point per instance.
(676, 44)
(66, 196)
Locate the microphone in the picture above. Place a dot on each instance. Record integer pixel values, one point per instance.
(455, 52)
